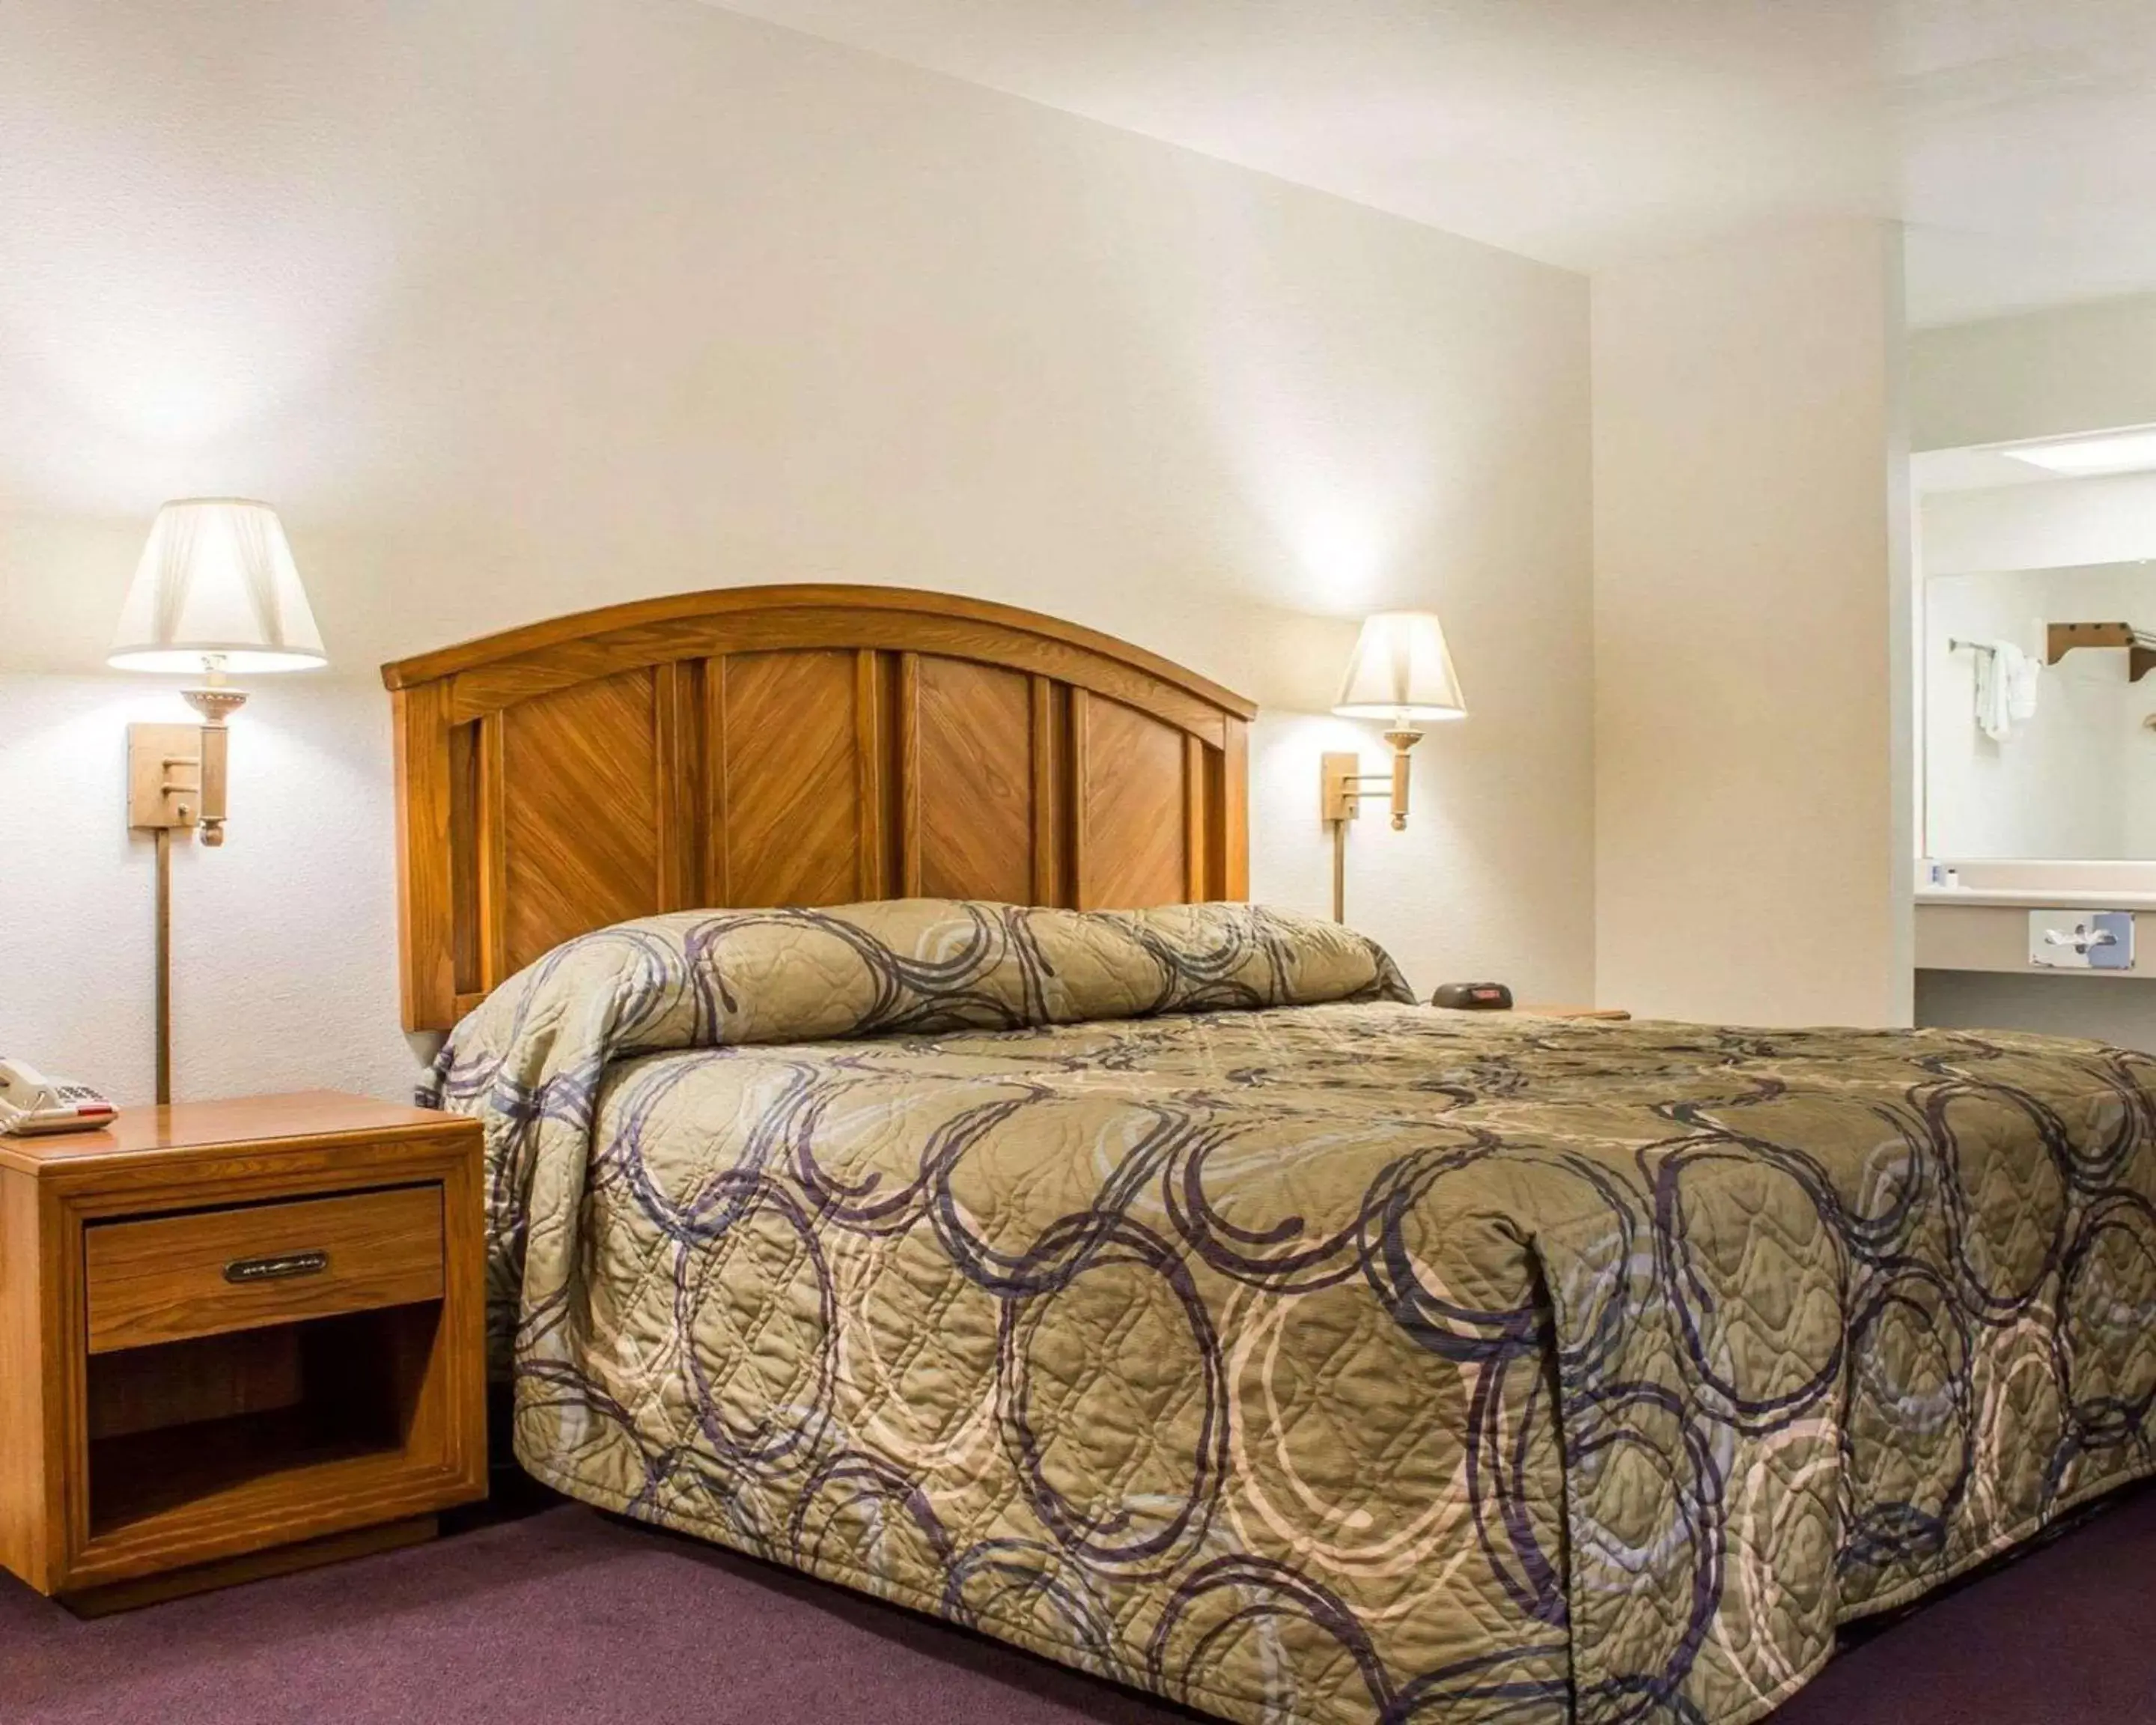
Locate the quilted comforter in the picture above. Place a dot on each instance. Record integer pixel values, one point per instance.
(1161, 1291)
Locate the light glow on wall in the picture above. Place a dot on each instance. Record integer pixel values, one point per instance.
(189, 262)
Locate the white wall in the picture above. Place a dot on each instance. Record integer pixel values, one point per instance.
(2087, 367)
(2052, 524)
(1751, 607)
(518, 306)
(2076, 781)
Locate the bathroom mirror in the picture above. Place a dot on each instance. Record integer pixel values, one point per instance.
(2037, 760)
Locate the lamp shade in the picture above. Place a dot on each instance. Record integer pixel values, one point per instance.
(1401, 669)
(217, 579)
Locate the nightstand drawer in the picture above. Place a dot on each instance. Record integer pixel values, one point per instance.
(209, 1271)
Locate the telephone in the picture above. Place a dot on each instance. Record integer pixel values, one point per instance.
(32, 1103)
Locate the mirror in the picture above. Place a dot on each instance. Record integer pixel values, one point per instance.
(2057, 762)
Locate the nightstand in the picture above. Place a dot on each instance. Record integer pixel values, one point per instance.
(1614, 1015)
(236, 1339)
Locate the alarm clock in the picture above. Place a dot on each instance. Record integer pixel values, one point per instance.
(1474, 996)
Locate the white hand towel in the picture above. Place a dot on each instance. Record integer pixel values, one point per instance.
(2005, 688)
(2020, 672)
(1994, 718)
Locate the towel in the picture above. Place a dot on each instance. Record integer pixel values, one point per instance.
(2020, 671)
(2005, 688)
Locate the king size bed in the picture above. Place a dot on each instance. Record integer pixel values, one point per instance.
(1161, 1289)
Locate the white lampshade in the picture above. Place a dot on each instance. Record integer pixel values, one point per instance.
(217, 578)
(1401, 669)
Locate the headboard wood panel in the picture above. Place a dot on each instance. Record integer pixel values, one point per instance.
(793, 745)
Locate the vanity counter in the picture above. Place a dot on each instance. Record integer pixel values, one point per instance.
(1962, 929)
(2036, 898)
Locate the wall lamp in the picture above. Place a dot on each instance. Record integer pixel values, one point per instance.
(216, 592)
(1401, 671)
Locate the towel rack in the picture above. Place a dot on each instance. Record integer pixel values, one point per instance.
(2062, 638)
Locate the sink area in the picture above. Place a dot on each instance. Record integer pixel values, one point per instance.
(2038, 883)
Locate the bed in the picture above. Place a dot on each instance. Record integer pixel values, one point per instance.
(1161, 1289)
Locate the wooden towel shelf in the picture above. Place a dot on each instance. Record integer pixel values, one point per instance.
(2062, 638)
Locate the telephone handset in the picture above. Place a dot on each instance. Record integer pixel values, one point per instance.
(31, 1103)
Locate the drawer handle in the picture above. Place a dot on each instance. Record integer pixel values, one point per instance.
(277, 1267)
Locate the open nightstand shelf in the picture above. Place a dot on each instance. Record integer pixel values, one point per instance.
(178, 1427)
(235, 1338)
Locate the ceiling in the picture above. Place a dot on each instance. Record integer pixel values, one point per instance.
(2013, 136)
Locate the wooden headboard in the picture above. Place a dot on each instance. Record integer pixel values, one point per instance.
(793, 745)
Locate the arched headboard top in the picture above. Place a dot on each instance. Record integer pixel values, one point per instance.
(808, 744)
(498, 669)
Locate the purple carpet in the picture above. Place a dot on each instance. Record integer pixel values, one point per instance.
(567, 1616)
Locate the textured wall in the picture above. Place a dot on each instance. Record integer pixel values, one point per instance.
(1753, 804)
(518, 306)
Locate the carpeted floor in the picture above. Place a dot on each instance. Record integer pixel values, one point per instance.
(565, 1615)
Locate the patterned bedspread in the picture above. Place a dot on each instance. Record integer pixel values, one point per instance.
(1160, 1292)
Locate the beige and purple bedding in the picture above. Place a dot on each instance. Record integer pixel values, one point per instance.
(1165, 1293)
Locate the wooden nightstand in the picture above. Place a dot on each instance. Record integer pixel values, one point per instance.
(1614, 1015)
(236, 1339)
